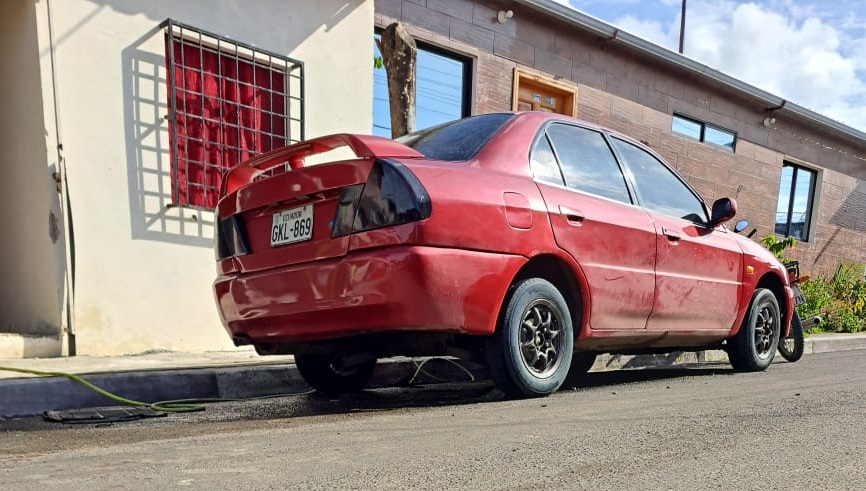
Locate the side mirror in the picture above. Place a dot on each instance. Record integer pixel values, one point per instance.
(723, 210)
(741, 225)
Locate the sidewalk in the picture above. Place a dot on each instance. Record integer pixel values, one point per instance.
(160, 376)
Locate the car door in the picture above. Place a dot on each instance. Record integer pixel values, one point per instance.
(594, 220)
(698, 269)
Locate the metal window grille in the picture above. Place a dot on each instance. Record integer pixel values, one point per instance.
(228, 102)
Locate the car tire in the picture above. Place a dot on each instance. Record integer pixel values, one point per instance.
(323, 373)
(754, 347)
(793, 345)
(581, 363)
(530, 353)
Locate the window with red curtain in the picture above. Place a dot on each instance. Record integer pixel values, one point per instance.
(229, 103)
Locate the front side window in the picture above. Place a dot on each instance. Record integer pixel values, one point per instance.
(796, 199)
(442, 85)
(587, 162)
(660, 190)
(228, 103)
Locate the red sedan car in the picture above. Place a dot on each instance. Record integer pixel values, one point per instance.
(531, 241)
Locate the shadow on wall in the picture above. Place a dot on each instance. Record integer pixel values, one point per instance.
(145, 108)
(851, 214)
(152, 216)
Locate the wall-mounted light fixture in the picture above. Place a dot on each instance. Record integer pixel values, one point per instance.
(769, 120)
(503, 16)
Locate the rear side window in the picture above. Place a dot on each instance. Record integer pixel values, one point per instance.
(660, 190)
(543, 162)
(458, 140)
(587, 162)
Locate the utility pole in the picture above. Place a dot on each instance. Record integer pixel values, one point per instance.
(683, 27)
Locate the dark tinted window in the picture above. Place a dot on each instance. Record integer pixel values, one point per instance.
(587, 162)
(458, 140)
(659, 188)
(542, 161)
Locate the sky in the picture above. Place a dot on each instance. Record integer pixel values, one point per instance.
(811, 52)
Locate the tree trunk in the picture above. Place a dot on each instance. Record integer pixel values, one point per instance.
(398, 56)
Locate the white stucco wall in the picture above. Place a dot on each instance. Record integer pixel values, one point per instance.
(31, 261)
(144, 272)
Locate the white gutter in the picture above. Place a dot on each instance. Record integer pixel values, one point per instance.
(642, 46)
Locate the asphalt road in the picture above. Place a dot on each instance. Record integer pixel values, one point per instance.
(796, 426)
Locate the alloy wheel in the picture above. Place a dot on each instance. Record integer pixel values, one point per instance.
(765, 342)
(541, 343)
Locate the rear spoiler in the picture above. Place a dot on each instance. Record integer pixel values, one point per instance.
(364, 146)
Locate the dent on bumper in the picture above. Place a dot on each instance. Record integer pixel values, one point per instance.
(392, 289)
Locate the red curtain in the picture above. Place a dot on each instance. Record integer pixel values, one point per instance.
(227, 110)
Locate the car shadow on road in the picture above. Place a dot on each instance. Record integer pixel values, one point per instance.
(629, 376)
(482, 391)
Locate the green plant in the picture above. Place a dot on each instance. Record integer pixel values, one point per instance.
(778, 246)
(840, 300)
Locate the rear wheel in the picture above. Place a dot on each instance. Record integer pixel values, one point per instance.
(530, 353)
(754, 347)
(791, 347)
(331, 373)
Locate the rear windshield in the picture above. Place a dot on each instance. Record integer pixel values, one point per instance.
(457, 140)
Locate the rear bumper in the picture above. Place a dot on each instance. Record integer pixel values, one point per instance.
(406, 288)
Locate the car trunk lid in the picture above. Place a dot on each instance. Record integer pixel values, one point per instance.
(267, 221)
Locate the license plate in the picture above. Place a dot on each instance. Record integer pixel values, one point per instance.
(799, 299)
(291, 226)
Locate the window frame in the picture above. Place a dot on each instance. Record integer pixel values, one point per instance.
(468, 63)
(180, 34)
(702, 137)
(810, 205)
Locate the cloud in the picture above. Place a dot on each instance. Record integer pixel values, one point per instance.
(811, 53)
(782, 47)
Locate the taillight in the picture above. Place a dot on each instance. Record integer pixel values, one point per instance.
(231, 237)
(391, 196)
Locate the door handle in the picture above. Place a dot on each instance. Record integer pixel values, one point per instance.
(670, 234)
(570, 214)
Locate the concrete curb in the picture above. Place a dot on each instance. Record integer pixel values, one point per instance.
(33, 396)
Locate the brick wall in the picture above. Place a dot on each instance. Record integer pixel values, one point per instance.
(636, 96)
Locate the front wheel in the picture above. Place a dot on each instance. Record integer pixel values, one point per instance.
(791, 347)
(754, 347)
(530, 353)
(329, 373)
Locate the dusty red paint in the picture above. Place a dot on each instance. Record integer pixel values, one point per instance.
(644, 279)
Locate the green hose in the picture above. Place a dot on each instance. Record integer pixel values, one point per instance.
(178, 406)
